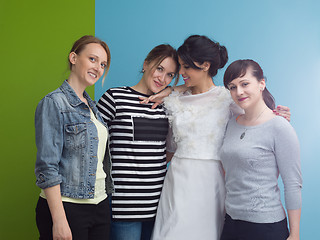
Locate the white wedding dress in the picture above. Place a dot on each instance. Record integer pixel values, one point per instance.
(192, 200)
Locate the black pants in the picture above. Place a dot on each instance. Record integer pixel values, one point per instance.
(86, 221)
(243, 230)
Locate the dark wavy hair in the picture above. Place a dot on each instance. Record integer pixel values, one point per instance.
(202, 49)
(239, 68)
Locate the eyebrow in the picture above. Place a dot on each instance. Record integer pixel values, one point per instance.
(240, 81)
(97, 56)
(93, 55)
(244, 80)
(165, 68)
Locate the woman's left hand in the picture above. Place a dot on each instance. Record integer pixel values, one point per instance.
(157, 99)
(293, 238)
(283, 111)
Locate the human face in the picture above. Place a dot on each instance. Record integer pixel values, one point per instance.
(246, 91)
(158, 77)
(192, 77)
(89, 65)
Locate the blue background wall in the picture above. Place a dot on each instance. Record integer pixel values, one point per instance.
(283, 36)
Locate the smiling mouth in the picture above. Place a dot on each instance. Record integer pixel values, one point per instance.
(92, 75)
(242, 99)
(158, 84)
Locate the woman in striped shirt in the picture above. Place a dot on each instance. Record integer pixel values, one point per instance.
(138, 145)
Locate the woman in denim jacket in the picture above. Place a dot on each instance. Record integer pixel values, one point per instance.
(73, 164)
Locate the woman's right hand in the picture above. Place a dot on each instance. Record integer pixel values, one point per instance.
(61, 230)
(283, 111)
(60, 225)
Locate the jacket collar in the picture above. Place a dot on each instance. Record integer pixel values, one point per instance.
(72, 97)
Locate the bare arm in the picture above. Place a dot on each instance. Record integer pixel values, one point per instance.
(60, 228)
(294, 224)
(169, 156)
(158, 98)
(180, 88)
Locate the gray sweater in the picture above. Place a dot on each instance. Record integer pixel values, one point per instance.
(252, 167)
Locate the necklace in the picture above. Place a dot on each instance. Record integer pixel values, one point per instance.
(244, 132)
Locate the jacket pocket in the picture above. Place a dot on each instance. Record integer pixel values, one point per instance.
(76, 135)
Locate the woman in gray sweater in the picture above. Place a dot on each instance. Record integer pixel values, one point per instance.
(257, 147)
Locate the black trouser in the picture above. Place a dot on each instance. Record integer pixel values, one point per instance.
(243, 230)
(86, 221)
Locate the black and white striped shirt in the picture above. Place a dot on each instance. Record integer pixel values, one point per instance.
(137, 146)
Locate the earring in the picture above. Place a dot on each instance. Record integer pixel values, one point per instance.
(262, 89)
(143, 70)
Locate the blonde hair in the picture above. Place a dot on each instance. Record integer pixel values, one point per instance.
(79, 45)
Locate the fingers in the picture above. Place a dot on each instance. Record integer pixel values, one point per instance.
(153, 98)
(154, 105)
(144, 100)
(283, 111)
(61, 231)
(283, 108)
(286, 116)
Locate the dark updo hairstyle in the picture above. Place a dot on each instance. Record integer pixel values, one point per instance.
(201, 49)
(161, 52)
(80, 44)
(239, 68)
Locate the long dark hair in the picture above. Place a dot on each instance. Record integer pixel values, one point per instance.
(239, 68)
(201, 49)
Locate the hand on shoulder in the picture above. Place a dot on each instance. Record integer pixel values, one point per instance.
(283, 111)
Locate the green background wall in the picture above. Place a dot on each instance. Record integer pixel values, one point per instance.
(34, 43)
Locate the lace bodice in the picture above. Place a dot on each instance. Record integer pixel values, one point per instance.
(198, 122)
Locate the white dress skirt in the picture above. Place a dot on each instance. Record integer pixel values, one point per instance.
(192, 199)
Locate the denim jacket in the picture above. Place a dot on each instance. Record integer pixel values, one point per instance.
(67, 144)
